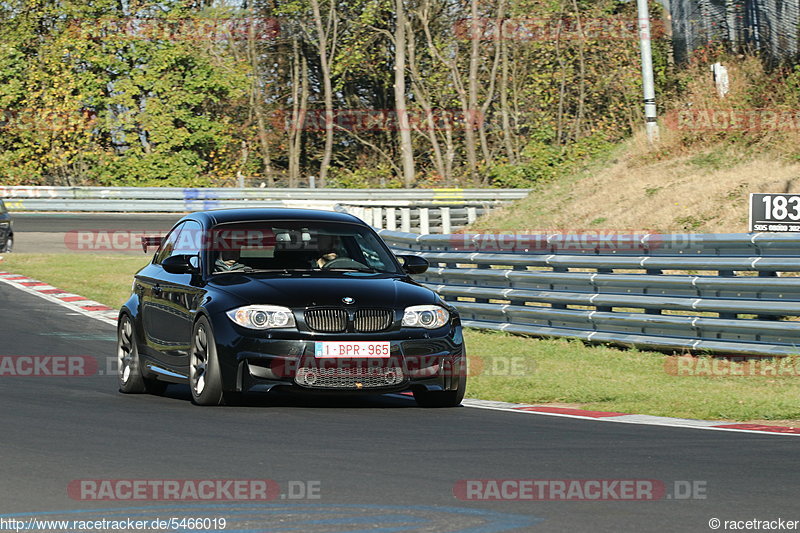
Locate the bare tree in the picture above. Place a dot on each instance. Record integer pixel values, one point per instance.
(422, 96)
(403, 123)
(300, 92)
(256, 104)
(327, 36)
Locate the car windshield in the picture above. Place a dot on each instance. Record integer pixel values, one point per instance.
(297, 246)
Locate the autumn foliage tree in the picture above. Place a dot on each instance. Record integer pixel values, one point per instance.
(359, 93)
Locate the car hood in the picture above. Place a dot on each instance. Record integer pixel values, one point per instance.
(328, 289)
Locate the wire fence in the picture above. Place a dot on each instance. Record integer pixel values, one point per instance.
(769, 27)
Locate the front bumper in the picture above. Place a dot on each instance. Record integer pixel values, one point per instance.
(258, 361)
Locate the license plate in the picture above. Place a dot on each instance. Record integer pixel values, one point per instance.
(351, 349)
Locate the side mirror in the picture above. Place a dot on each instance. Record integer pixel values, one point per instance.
(181, 264)
(414, 264)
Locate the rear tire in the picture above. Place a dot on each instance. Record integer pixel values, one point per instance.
(131, 380)
(205, 379)
(9, 247)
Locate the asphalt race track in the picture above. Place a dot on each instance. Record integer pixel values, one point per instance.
(47, 232)
(64, 222)
(374, 464)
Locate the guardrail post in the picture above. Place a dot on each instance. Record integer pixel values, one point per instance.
(367, 216)
(472, 214)
(405, 219)
(377, 218)
(424, 221)
(446, 228)
(391, 219)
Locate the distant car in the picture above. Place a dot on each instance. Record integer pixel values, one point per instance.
(250, 300)
(6, 230)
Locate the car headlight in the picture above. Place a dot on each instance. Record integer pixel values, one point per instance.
(262, 316)
(425, 316)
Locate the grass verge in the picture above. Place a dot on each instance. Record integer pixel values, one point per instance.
(103, 278)
(512, 368)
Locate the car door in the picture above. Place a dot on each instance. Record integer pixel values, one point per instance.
(168, 299)
(180, 295)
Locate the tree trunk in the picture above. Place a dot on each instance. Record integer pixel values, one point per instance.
(403, 123)
(327, 88)
(256, 100)
(471, 109)
(299, 102)
(422, 96)
(504, 109)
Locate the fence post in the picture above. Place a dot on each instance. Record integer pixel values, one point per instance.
(472, 214)
(446, 228)
(424, 221)
(405, 219)
(391, 219)
(367, 218)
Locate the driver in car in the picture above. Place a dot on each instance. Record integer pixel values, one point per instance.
(227, 261)
(326, 245)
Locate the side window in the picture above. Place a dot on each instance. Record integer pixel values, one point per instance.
(183, 240)
(2, 208)
(168, 245)
(189, 241)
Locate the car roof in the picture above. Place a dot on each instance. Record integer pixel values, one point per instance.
(222, 216)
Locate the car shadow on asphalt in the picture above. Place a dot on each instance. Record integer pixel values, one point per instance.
(302, 399)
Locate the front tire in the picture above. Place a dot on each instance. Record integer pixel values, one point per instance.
(131, 380)
(205, 379)
(446, 398)
(9, 247)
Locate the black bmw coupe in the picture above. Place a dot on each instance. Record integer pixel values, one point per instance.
(247, 300)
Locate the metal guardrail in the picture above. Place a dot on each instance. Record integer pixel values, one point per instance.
(117, 198)
(418, 210)
(722, 294)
